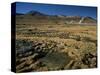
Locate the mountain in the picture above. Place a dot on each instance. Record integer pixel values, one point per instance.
(19, 14)
(38, 18)
(89, 20)
(35, 13)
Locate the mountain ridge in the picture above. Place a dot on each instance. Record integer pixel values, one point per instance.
(32, 12)
(59, 19)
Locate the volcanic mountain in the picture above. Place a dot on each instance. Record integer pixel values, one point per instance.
(38, 18)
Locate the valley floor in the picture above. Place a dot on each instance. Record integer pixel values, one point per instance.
(55, 47)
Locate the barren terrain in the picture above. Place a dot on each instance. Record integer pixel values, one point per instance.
(49, 46)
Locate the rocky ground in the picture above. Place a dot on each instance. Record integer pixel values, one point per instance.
(48, 55)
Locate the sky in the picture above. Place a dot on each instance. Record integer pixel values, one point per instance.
(51, 9)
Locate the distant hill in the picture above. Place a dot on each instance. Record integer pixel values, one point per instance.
(35, 13)
(37, 18)
(19, 14)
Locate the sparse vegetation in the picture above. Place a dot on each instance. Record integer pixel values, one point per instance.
(46, 43)
(45, 48)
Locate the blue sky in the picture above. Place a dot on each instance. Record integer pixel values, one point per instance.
(68, 10)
